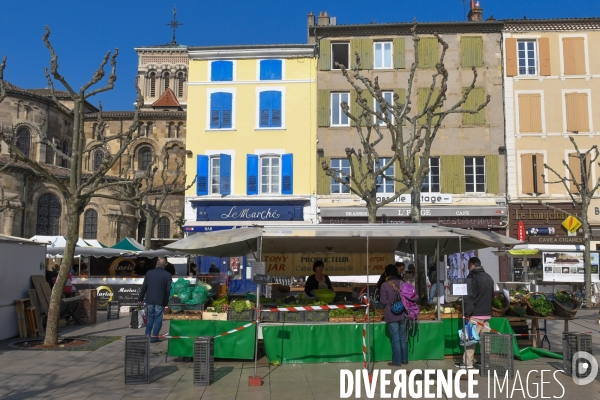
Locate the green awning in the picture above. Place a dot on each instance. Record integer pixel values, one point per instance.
(128, 244)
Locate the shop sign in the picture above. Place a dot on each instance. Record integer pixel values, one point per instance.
(571, 224)
(125, 294)
(426, 198)
(213, 228)
(249, 211)
(521, 231)
(568, 267)
(541, 231)
(336, 264)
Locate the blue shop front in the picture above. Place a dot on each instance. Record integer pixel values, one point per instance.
(214, 215)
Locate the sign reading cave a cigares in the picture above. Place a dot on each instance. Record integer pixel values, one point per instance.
(536, 216)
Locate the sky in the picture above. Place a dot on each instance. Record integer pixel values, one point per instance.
(84, 30)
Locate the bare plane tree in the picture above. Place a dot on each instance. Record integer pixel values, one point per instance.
(80, 187)
(581, 190)
(412, 134)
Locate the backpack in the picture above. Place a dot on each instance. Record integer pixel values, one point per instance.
(408, 295)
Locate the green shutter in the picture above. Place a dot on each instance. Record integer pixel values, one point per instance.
(475, 99)
(323, 180)
(492, 174)
(401, 92)
(364, 48)
(428, 52)
(399, 53)
(452, 171)
(422, 94)
(471, 51)
(324, 55)
(324, 103)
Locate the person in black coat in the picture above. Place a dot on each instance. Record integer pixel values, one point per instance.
(156, 290)
(318, 280)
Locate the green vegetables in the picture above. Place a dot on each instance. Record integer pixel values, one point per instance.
(241, 305)
(341, 313)
(541, 305)
(497, 303)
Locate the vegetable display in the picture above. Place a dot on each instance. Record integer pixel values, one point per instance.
(497, 303)
(241, 305)
(541, 305)
(341, 313)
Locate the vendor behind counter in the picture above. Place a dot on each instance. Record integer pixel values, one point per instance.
(318, 280)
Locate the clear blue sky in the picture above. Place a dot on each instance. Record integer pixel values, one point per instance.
(83, 30)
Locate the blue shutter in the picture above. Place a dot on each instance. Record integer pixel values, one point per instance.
(287, 173)
(221, 71)
(225, 181)
(227, 71)
(202, 175)
(251, 174)
(276, 109)
(265, 109)
(265, 70)
(226, 110)
(276, 66)
(215, 110)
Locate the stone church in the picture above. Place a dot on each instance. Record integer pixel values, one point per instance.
(162, 72)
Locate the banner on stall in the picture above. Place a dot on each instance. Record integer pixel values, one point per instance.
(568, 266)
(336, 264)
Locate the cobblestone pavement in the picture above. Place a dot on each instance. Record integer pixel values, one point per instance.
(99, 374)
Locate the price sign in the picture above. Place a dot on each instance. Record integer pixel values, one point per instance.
(258, 274)
(459, 289)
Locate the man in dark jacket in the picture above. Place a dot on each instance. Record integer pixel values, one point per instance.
(478, 304)
(156, 289)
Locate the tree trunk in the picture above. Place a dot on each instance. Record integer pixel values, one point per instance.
(420, 268)
(586, 255)
(51, 337)
(150, 218)
(372, 213)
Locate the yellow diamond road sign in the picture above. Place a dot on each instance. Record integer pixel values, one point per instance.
(571, 224)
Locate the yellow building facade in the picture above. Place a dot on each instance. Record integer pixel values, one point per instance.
(252, 136)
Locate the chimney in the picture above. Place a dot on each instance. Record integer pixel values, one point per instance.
(476, 12)
(323, 19)
(311, 19)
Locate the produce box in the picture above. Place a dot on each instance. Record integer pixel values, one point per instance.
(341, 319)
(316, 316)
(214, 316)
(292, 316)
(268, 316)
(186, 307)
(246, 315)
(186, 317)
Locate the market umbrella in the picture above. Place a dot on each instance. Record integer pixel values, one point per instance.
(227, 243)
(161, 253)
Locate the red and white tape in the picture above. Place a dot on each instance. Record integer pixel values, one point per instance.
(521, 334)
(239, 328)
(313, 308)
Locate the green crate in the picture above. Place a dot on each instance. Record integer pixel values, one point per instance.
(268, 316)
(317, 316)
(246, 315)
(292, 316)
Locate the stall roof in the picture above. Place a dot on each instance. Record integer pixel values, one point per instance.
(349, 238)
(161, 253)
(89, 252)
(128, 244)
(15, 239)
(61, 241)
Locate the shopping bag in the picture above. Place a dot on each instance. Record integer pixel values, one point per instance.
(138, 318)
(471, 337)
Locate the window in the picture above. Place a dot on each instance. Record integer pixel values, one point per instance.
(340, 164)
(48, 215)
(270, 109)
(145, 158)
(24, 141)
(340, 53)
(166, 78)
(532, 169)
(149, 127)
(431, 182)
(90, 224)
(574, 56)
(98, 158)
(389, 97)
(474, 174)
(576, 105)
(383, 55)
(526, 55)
(141, 129)
(385, 185)
(575, 164)
(338, 117)
(221, 71)
(164, 228)
(221, 110)
(152, 84)
(530, 113)
(215, 174)
(270, 70)
(270, 174)
(180, 84)
(49, 155)
(65, 151)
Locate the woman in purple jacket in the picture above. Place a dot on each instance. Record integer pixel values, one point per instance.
(396, 323)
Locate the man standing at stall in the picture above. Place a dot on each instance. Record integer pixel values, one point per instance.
(157, 285)
(478, 305)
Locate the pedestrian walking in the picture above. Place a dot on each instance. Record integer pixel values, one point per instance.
(156, 289)
(478, 305)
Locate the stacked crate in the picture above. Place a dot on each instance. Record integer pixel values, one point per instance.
(204, 361)
(88, 306)
(497, 355)
(137, 360)
(573, 343)
(112, 310)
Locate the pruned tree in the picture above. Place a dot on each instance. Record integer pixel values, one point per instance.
(80, 188)
(412, 133)
(581, 190)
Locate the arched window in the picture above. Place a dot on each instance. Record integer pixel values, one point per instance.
(48, 215)
(164, 228)
(49, 155)
(180, 84)
(152, 84)
(145, 158)
(171, 133)
(98, 158)
(141, 230)
(149, 127)
(24, 141)
(65, 150)
(141, 129)
(90, 224)
(167, 78)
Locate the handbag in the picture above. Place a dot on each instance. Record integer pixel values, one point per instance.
(397, 306)
(471, 338)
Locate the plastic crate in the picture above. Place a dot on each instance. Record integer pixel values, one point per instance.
(292, 316)
(316, 316)
(573, 343)
(137, 360)
(246, 315)
(497, 355)
(112, 310)
(186, 307)
(204, 361)
(268, 316)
